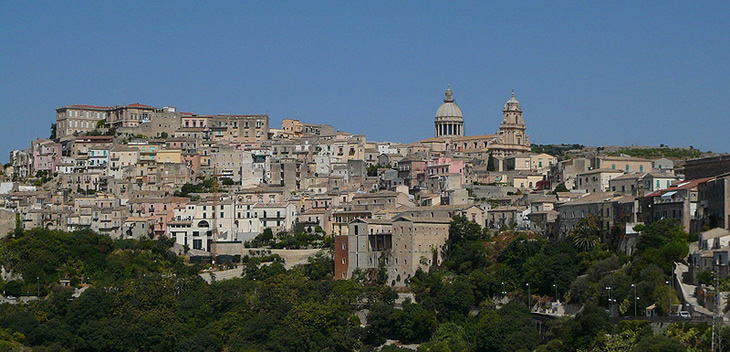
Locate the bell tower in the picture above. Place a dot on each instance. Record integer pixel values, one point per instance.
(511, 137)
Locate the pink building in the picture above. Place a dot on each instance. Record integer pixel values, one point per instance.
(176, 143)
(162, 210)
(46, 155)
(193, 163)
(445, 166)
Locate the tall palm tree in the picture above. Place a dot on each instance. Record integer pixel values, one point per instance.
(587, 233)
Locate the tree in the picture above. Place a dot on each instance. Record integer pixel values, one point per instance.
(53, 131)
(583, 329)
(662, 243)
(587, 233)
(659, 343)
(100, 124)
(449, 337)
(561, 188)
(507, 329)
(660, 233)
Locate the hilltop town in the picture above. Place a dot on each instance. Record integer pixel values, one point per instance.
(221, 188)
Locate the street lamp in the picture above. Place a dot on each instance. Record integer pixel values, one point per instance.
(669, 298)
(634, 286)
(529, 297)
(504, 290)
(610, 300)
(556, 293)
(38, 280)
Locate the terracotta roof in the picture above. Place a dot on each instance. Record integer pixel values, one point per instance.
(594, 171)
(679, 186)
(468, 138)
(431, 140)
(138, 105)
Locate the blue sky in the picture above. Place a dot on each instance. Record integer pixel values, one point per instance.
(596, 73)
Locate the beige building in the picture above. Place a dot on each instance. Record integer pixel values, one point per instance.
(596, 180)
(638, 184)
(609, 208)
(167, 156)
(524, 180)
(132, 115)
(623, 163)
(401, 246)
(73, 120)
(530, 162)
(240, 128)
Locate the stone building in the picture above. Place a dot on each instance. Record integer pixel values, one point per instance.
(401, 246)
(73, 120)
(707, 167)
(714, 202)
(680, 202)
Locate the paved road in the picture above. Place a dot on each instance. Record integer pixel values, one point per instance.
(292, 258)
(688, 291)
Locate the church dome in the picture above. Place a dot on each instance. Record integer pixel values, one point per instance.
(449, 107)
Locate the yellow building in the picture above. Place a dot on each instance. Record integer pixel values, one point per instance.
(169, 156)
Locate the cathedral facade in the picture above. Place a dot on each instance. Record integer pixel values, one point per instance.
(511, 137)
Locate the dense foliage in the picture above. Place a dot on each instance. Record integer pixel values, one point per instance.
(557, 150)
(140, 297)
(203, 187)
(663, 152)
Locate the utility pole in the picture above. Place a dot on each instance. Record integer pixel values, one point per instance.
(717, 320)
(669, 298)
(214, 233)
(634, 286)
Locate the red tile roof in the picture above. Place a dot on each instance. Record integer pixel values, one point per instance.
(688, 184)
(138, 105)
